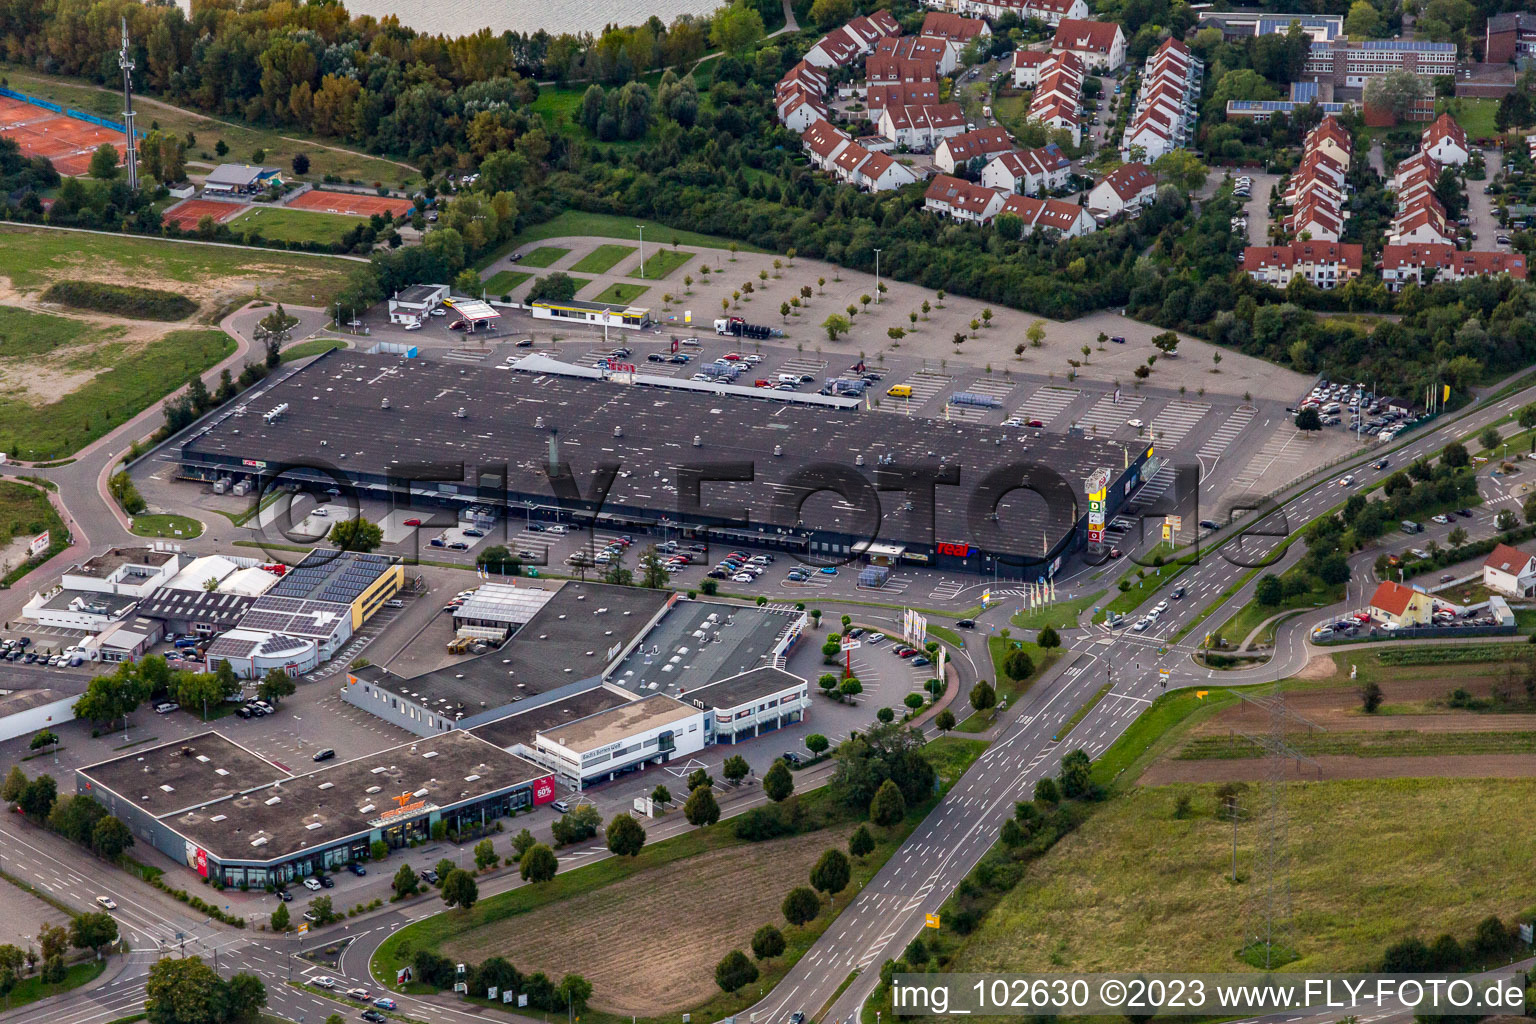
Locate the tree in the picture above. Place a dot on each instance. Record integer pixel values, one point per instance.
(767, 942)
(276, 685)
(522, 843)
(104, 162)
(301, 163)
(93, 931)
(983, 696)
(1046, 791)
(661, 794)
(356, 535)
(1370, 698)
(280, 919)
(734, 971)
(1363, 21)
(46, 738)
(1489, 437)
(1455, 455)
(736, 28)
(182, 992)
(653, 571)
(53, 971)
(1076, 775)
(15, 784)
(407, 883)
(801, 905)
(1396, 92)
(735, 768)
(1308, 419)
(625, 835)
(889, 806)
(1048, 639)
(701, 808)
(538, 863)
(836, 324)
(699, 777)
(849, 688)
(460, 890)
(554, 287)
(778, 782)
(816, 743)
(861, 843)
(1183, 170)
(321, 908)
(577, 824)
(1018, 665)
(1268, 591)
(38, 797)
(110, 837)
(486, 855)
(831, 873)
(826, 13)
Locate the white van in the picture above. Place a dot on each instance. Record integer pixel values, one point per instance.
(557, 528)
(789, 378)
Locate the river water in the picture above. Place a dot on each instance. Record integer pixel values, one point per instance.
(454, 17)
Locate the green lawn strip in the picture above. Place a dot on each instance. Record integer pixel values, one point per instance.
(166, 525)
(26, 511)
(621, 293)
(132, 1018)
(580, 224)
(663, 263)
(1057, 614)
(1082, 712)
(950, 757)
(34, 258)
(1247, 618)
(544, 256)
(602, 259)
(1385, 743)
(502, 282)
(107, 400)
(312, 347)
(1449, 654)
(30, 990)
(289, 225)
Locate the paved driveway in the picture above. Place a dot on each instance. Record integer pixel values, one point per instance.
(1480, 211)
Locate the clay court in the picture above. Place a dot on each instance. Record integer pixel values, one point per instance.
(68, 142)
(187, 213)
(347, 202)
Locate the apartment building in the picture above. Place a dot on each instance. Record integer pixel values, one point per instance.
(1239, 25)
(1325, 265)
(922, 127)
(1425, 263)
(1068, 219)
(1099, 44)
(1051, 12)
(1316, 189)
(880, 98)
(842, 46)
(943, 53)
(953, 27)
(1028, 171)
(1445, 142)
(1166, 103)
(1026, 67)
(824, 141)
(1509, 36)
(1057, 101)
(1126, 187)
(983, 144)
(962, 201)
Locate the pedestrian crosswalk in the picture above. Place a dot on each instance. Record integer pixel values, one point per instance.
(992, 387)
(1225, 434)
(1047, 404)
(1176, 420)
(1107, 415)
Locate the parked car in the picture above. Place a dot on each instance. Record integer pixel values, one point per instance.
(325, 755)
(284, 895)
(312, 884)
(165, 707)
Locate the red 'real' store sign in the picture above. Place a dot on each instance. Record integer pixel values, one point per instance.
(544, 790)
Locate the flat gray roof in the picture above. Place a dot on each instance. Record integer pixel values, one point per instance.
(510, 418)
(567, 640)
(323, 807)
(699, 642)
(745, 688)
(520, 726)
(619, 723)
(105, 564)
(183, 773)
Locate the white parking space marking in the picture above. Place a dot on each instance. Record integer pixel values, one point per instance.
(991, 387)
(924, 384)
(1282, 448)
(1225, 434)
(1047, 404)
(802, 365)
(1176, 420)
(1107, 415)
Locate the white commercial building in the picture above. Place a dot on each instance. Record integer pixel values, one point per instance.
(416, 303)
(652, 730)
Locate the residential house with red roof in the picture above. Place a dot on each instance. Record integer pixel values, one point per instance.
(879, 98)
(1026, 67)
(954, 27)
(1057, 100)
(842, 46)
(1400, 605)
(1445, 141)
(1166, 102)
(943, 53)
(1067, 219)
(1508, 570)
(1100, 44)
(1126, 187)
(983, 144)
(824, 141)
(1325, 265)
(1425, 263)
(1028, 171)
(961, 200)
(922, 127)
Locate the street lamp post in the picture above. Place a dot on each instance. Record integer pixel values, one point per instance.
(641, 228)
(877, 277)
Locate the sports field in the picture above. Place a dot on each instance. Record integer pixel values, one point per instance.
(187, 213)
(351, 203)
(294, 225)
(67, 141)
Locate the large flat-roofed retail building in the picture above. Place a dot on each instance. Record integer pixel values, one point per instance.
(823, 482)
(228, 813)
(650, 730)
(570, 644)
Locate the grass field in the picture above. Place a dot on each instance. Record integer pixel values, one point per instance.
(502, 282)
(578, 224)
(1060, 615)
(287, 225)
(243, 140)
(34, 258)
(544, 256)
(174, 526)
(1369, 868)
(620, 292)
(663, 263)
(1475, 116)
(136, 378)
(25, 512)
(25, 335)
(1247, 618)
(313, 347)
(601, 259)
(31, 989)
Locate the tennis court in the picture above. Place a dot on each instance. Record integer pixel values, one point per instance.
(188, 212)
(348, 202)
(67, 141)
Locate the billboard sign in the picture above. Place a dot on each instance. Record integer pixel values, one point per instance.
(1098, 502)
(544, 791)
(38, 545)
(197, 859)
